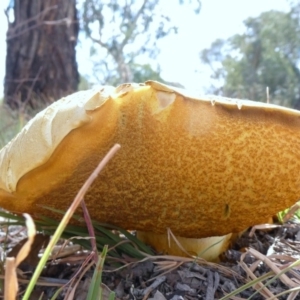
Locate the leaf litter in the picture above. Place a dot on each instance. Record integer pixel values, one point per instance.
(260, 261)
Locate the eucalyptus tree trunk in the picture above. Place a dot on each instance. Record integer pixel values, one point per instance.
(41, 59)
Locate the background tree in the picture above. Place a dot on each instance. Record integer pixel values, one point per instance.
(122, 31)
(266, 55)
(40, 62)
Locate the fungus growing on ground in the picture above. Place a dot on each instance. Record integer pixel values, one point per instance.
(201, 167)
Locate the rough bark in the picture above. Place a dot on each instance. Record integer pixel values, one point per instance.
(41, 59)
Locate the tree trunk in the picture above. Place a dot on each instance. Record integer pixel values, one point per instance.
(41, 59)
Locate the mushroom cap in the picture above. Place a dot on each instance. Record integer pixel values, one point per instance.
(201, 166)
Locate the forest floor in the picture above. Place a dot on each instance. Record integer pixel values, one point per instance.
(260, 255)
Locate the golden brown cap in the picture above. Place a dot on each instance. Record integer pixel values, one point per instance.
(199, 166)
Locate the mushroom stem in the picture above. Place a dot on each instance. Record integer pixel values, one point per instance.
(209, 248)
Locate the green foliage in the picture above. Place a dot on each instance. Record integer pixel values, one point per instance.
(10, 123)
(84, 83)
(145, 72)
(140, 73)
(295, 215)
(266, 55)
(95, 290)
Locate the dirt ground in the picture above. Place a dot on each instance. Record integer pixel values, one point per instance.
(262, 253)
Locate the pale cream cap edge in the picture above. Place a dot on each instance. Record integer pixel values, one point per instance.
(39, 138)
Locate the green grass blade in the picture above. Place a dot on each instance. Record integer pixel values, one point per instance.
(112, 296)
(95, 290)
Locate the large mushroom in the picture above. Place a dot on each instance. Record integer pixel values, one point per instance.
(201, 167)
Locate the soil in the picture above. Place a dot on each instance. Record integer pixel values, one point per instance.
(262, 253)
